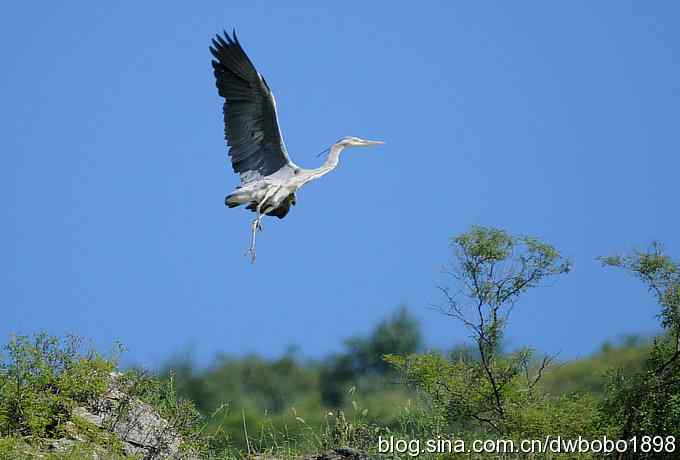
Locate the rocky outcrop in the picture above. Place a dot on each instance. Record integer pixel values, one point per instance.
(138, 427)
(134, 428)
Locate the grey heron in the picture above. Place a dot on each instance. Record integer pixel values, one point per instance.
(269, 179)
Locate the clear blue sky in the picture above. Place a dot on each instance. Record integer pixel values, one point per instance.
(558, 120)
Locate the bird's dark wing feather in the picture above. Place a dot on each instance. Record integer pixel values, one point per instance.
(251, 127)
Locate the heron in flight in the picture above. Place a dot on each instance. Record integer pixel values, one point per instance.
(269, 179)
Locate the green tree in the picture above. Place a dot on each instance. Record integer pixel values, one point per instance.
(648, 402)
(489, 390)
(400, 334)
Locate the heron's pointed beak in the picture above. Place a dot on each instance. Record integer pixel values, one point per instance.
(373, 142)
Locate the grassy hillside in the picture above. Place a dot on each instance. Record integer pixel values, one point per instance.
(589, 374)
(281, 401)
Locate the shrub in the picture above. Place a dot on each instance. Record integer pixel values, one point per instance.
(43, 378)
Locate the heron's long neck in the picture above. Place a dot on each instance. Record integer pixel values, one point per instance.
(330, 163)
(333, 158)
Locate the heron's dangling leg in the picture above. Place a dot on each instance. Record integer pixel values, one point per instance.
(254, 227)
(257, 225)
(251, 250)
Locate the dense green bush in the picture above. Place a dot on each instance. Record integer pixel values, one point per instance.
(42, 379)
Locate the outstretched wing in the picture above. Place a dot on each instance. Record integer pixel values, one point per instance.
(251, 127)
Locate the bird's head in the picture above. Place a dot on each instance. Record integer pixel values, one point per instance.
(351, 141)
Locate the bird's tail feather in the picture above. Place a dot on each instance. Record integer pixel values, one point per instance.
(236, 199)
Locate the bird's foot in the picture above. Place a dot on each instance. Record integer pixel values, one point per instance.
(251, 253)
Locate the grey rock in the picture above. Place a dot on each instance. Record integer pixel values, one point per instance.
(62, 445)
(140, 428)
